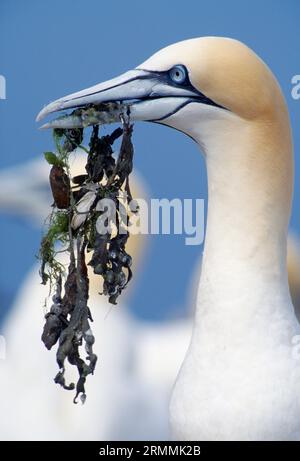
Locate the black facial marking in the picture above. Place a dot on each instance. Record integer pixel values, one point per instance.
(164, 77)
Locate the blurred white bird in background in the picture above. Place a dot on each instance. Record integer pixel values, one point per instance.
(137, 361)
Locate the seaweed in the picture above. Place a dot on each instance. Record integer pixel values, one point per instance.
(73, 228)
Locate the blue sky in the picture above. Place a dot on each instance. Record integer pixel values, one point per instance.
(48, 49)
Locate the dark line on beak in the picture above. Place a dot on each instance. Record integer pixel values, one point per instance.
(185, 103)
(138, 77)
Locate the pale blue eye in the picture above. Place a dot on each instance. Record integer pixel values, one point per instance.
(178, 74)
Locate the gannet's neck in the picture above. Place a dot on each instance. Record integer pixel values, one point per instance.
(240, 359)
(250, 177)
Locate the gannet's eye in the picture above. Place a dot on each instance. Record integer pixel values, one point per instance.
(178, 74)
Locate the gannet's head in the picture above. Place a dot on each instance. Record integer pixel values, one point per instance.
(202, 79)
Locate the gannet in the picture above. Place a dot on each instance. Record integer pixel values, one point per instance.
(240, 379)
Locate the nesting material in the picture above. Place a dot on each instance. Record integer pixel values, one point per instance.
(76, 228)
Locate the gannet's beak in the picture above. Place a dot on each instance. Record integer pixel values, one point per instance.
(150, 95)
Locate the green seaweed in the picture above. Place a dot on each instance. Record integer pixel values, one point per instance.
(53, 159)
(57, 232)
